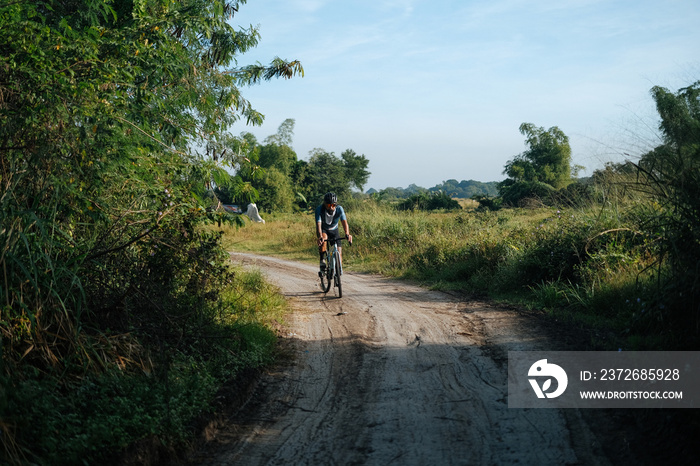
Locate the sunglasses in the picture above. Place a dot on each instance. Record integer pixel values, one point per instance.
(331, 205)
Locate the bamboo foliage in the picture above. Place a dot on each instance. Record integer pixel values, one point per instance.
(100, 102)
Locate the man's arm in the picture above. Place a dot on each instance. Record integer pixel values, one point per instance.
(319, 233)
(346, 229)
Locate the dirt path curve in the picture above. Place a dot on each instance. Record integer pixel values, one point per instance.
(395, 374)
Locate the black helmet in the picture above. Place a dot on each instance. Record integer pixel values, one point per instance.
(330, 198)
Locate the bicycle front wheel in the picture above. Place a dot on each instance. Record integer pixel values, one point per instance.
(326, 277)
(338, 284)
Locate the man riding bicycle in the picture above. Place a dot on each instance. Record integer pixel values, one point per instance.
(328, 215)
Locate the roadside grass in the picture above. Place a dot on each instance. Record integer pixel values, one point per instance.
(291, 236)
(586, 267)
(91, 419)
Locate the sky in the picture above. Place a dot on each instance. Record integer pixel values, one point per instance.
(431, 90)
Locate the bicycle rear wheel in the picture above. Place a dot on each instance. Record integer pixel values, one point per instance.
(326, 276)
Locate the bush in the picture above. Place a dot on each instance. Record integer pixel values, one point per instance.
(93, 418)
(429, 201)
(488, 203)
(518, 193)
(576, 194)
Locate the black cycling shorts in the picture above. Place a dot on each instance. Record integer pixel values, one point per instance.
(333, 236)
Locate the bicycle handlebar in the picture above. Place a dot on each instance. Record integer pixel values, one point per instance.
(338, 239)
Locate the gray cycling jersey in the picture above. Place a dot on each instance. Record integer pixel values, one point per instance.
(329, 221)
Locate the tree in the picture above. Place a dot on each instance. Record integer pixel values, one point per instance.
(277, 149)
(355, 168)
(281, 157)
(284, 135)
(326, 172)
(275, 190)
(544, 167)
(671, 174)
(101, 104)
(390, 193)
(276, 182)
(114, 119)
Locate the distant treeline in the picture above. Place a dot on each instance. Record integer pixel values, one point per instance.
(464, 189)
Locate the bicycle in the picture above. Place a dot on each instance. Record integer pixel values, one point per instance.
(333, 269)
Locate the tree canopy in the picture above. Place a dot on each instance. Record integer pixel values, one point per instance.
(327, 172)
(104, 106)
(289, 183)
(544, 167)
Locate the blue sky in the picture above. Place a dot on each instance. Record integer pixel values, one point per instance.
(430, 90)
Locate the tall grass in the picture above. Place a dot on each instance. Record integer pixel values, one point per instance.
(589, 265)
(91, 419)
(283, 234)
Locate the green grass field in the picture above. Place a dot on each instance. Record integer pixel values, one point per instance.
(586, 267)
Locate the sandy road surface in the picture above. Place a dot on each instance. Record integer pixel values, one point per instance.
(395, 374)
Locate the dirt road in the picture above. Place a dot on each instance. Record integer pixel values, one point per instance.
(396, 374)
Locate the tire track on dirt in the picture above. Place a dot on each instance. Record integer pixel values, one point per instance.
(395, 374)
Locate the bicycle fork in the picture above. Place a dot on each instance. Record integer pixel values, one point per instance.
(336, 266)
(331, 262)
(339, 268)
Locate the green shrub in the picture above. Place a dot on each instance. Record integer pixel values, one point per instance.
(488, 203)
(96, 416)
(429, 201)
(517, 193)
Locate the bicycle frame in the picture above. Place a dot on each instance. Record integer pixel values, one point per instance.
(334, 258)
(334, 268)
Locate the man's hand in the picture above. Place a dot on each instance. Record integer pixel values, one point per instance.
(349, 238)
(320, 240)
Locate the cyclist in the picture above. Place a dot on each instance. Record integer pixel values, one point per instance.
(328, 215)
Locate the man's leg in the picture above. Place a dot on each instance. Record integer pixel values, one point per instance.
(322, 251)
